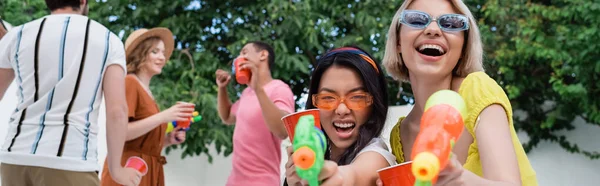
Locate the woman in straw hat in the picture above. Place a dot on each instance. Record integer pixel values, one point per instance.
(147, 52)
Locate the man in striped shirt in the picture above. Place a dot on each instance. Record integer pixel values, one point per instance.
(63, 64)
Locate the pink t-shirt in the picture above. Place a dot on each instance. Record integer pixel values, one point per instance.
(256, 151)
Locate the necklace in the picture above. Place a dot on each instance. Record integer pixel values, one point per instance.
(147, 89)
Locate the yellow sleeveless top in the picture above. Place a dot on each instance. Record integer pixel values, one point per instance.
(479, 91)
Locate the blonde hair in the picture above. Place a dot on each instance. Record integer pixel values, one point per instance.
(140, 53)
(471, 59)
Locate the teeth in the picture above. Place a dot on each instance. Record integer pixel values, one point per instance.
(431, 46)
(344, 125)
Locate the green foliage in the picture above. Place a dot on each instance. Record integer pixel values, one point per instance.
(18, 12)
(543, 53)
(210, 34)
(546, 56)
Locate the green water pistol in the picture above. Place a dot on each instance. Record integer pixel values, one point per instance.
(309, 150)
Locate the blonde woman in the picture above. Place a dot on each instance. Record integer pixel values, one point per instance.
(435, 45)
(147, 52)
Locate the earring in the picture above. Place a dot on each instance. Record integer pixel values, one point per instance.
(400, 90)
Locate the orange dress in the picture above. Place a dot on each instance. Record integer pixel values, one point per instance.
(147, 146)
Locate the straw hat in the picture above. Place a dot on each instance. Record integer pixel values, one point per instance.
(136, 37)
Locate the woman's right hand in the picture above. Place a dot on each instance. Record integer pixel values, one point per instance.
(179, 112)
(126, 176)
(290, 170)
(329, 174)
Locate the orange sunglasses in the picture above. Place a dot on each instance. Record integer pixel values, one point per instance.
(330, 101)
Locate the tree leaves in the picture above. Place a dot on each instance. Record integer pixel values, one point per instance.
(214, 32)
(548, 56)
(545, 55)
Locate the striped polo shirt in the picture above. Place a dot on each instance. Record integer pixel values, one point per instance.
(59, 63)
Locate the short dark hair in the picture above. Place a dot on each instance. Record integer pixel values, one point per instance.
(259, 45)
(57, 4)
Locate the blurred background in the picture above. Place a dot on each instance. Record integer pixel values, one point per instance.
(544, 53)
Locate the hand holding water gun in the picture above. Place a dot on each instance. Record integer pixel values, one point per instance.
(181, 111)
(184, 124)
(309, 150)
(442, 124)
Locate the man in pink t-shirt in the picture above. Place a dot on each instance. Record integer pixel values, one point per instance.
(257, 115)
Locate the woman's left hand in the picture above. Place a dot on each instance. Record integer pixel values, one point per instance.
(452, 174)
(331, 175)
(176, 136)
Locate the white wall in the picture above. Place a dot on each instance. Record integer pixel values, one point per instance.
(554, 166)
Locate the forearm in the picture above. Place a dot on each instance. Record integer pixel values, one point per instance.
(363, 171)
(166, 141)
(473, 179)
(6, 78)
(140, 127)
(272, 114)
(350, 177)
(224, 105)
(116, 131)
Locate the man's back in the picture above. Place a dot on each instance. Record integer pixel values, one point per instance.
(59, 63)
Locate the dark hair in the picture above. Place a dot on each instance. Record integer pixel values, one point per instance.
(57, 4)
(3, 29)
(375, 84)
(259, 45)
